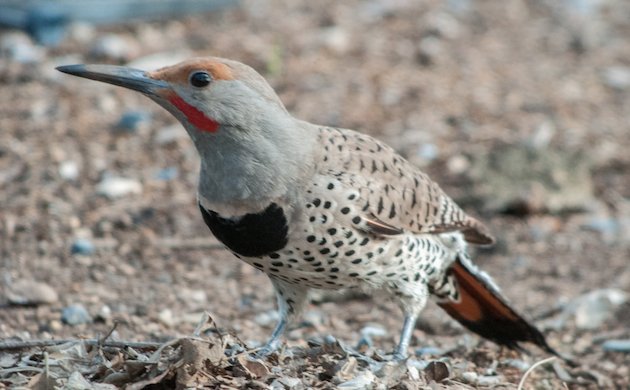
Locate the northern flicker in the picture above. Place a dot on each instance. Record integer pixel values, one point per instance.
(316, 207)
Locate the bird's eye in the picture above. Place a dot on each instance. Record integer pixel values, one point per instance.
(200, 79)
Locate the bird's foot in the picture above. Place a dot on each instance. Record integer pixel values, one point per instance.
(264, 351)
(399, 357)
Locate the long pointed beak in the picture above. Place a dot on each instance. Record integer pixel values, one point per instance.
(135, 79)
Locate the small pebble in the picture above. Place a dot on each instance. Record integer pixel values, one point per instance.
(190, 295)
(82, 246)
(313, 318)
(458, 164)
(364, 342)
(329, 339)
(517, 363)
(270, 317)
(105, 313)
(116, 187)
(427, 152)
(31, 292)
(608, 227)
(55, 326)
(75, 315)
(617, 346)
(373, 331)
(170, 134)
(617, 77)
(69, 170)
(20, 48)
(336, 39)
(430, 48)
(167, 174)
(429, 351)
(131, 121)
(113, 47)
(481, 380)
(81, 32)
(166, 317)
(367, 333)
(596, 307)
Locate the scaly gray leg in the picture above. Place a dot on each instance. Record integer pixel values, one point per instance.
(405, 336)
(291, 299)
(274, 341)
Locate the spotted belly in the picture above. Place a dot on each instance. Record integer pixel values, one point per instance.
(340, 258)
(327, 251)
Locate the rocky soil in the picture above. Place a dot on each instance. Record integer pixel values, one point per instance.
(520, 109)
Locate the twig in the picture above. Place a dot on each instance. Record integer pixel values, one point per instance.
(11, 370)
(46, 367)
(531, 369)
(155, 356)
(26, 344)
(101, 340)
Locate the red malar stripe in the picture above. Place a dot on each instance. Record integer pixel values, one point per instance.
(195, 117)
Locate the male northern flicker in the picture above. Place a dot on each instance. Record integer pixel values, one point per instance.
(320, 207)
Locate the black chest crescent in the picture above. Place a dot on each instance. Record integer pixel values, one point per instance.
(251, 235)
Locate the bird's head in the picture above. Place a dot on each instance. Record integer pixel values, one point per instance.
(203, 93)
(248, 142)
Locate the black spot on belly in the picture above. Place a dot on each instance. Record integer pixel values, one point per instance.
(251, 235)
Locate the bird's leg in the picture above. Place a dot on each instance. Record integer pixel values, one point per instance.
(274, 341)
(401, 350)
(291, 299)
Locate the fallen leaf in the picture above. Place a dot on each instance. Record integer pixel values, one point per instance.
(255, 367)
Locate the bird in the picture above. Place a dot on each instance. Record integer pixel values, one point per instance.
(318, 207)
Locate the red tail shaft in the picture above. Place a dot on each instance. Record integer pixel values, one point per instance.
(482, 309)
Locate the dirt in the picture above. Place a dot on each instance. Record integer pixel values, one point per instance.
(444, 82)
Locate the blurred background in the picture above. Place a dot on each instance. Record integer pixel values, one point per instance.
(520, 109)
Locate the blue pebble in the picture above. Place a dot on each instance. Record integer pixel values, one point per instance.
(365, 341)
(168, 173)
(430, 351)
(131, 120)
(82, 247)
(75, 315)
(330, 339)
(617, 345)
(428, 152)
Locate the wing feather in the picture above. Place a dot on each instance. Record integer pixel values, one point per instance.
(397, 196)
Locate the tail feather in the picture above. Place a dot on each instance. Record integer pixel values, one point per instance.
(480, 307)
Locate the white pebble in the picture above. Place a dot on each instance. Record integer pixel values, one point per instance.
(69, 170)
(31, 292)
(116, 187)
(166, 317)
(617, 77)
(169, 134)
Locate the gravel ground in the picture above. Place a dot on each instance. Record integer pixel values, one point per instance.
(99, 223)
